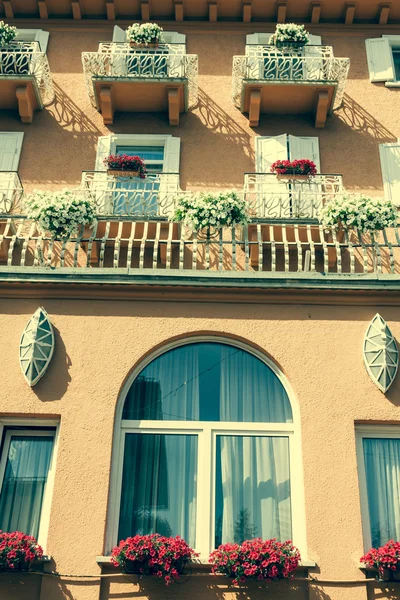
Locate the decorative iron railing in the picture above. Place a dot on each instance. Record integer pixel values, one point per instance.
(26, 59)
(273, 198)
(127, 247)
(271, 64)
(11, 192)
(120, 61)
(151, 197)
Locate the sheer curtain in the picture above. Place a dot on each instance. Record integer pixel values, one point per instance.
(382, 469)
(24, 483)
(159, 486)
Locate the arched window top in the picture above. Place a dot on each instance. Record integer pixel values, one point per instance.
(208, 381)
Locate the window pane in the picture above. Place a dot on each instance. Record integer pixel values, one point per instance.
(396, 60)
(24, 483)
(252, 496)
(208, 382)
(154, 154)
(382, 469)
(159, 486)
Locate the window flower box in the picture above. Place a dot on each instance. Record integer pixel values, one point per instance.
(125, 165)
(289, 35)
(122, 173)
(18, 551)
(145, 35)
(301, 169)
(385, 560)
(356, 211)
(289, 176)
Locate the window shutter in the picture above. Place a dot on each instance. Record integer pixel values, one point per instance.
(268, 150)
(305, 147)
(103, 150)
(119, 34)
(10, 150)
(314, 40)
(390, 163)
(172, 154)
(173, 37)
(380, 59)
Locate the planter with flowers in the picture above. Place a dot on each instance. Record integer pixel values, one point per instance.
(153, 554)
(268, 560)
(124, 165)
(145, 35)
(385, 560)
(301, 169)
(289, 35)
(8, 33)
(209, 212)
(60, 214)
(18, 551)
(356, 211)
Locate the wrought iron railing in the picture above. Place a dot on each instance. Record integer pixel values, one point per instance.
(151, 197)
(26, 59)
(308, 64)
(11, 192)
(120, 61)
(271, 198)
(127, 247)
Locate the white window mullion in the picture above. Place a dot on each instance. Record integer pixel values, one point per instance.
(205, 499)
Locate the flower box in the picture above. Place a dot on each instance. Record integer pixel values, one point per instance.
(145, 35)
(289, 44)
(138, 45)
(209, 211)
(122, 173)
(289, 176)
(359, 212)
(18, 551)
(385, 560)
(302, 167)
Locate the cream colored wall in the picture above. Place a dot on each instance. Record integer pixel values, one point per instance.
(98, 344)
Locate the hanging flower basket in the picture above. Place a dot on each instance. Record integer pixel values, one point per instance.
(18, 551)
(153, 554)
(209, 212)
(385, 560)
(300, 169)
(145, 35)
(356, 211)
(125, 165)
(256, 559)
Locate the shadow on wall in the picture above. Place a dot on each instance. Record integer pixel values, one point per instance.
(55, 381)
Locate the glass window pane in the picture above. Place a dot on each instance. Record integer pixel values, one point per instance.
(24, 483)
(252, 496)
(154, 154)
(159, 486)
(208, 382)
(382, 469)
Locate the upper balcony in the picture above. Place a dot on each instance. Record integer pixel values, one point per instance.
(269, 80)
(130, 79)
(25, 79)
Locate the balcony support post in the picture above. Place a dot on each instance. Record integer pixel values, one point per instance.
(25, 106)
(254, 108)
(43, 10)
(315, 12)
(173, 106)
(247, 11)
(384, 13)
(8, 9)
(350, 10)
(321, 112)
(110, 7)
(145, 10)
(178, 10)
(212, 11)
(282, 8)
(107, 104)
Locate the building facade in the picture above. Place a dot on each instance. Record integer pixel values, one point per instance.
(210, 385)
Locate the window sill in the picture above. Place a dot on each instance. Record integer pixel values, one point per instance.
(392, 84)
(202, 564)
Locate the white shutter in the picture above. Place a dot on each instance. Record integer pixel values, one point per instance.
(173, 37)
(102, 188)
(169, 186)
(119, 34)
(307, 195)
(313, 64)
(103, 150)
(390, 163)
(380, 59)
(314, 40)
(172, 154)
(268, 150)
(10, 152)
(305, 147)
(272, 194)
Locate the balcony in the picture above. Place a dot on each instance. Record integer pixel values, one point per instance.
(123, 78)
(269, 80)
(25, 79)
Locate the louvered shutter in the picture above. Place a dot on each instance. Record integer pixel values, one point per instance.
(390, 163)
(307, 195)
(169, 186)
(272, 194)
(380, 59)
(103, 194)
(10, 152)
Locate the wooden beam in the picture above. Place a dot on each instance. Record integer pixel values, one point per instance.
(145, 10)
(178, 10)
(111, 12)
(25, 107)
(247, 11)
(107, 104)
(281, 11)
(254, 109)
(350, 10)
(384, 13)
(8, 9)
(43, 10)
(321, 112)
(212, 11)
(315, 12)
(76, 9)
(173, 106)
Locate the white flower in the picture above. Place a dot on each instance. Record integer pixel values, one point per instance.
(362, 212)
(204, 210)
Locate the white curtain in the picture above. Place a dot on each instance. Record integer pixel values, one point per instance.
(382, 468)
(24, 483)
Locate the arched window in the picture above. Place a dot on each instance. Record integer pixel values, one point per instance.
(206, 449)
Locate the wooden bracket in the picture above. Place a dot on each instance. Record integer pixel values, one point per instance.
(145, 10)
(25, 107)
(76, 9)
(384, 13)
(255, 106)
(178, 10)
(8, 9)
(106, 102)
(43, 10)
(315, 12)
(111, 12)
(212, 11)
(322, 106)
(247, 11)
(350, 10)
(281, 11)
(173, 106)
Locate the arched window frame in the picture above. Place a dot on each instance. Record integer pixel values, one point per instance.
(207, 432)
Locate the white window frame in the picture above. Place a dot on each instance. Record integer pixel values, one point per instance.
(369, 431)
(393, 42)
(206, 432)
(37, 428)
